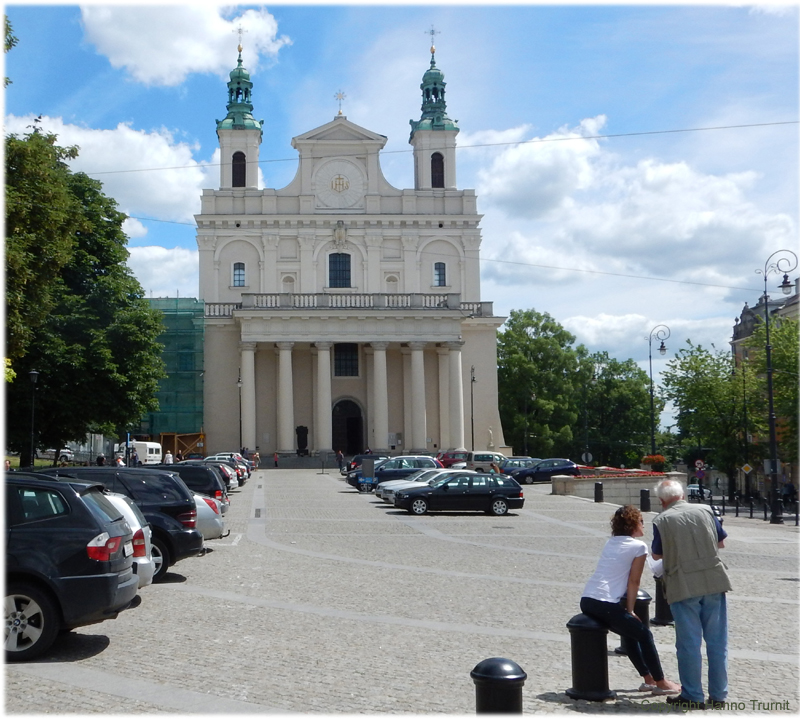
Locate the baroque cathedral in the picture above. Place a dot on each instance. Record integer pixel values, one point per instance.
(341, 312)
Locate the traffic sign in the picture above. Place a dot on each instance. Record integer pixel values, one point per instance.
(699, 463)
(747, 468)
(699, 474)
(586, 457)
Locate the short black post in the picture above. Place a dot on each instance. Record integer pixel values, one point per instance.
(751, 508)
(641, 608)
(663, 616)
(589, 659)
(598, 491)
(737, 506)
(498, 686)
(765, 510)
(644, 499)
(797, 514)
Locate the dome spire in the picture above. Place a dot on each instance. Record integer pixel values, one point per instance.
(434, 107)
(239, 106)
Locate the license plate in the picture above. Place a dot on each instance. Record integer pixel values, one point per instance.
(127, 549)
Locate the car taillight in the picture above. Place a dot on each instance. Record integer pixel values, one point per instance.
(102, 547)
(188, 519)
(211, 503)
(218, 494)
(139, 546)
(521, 494)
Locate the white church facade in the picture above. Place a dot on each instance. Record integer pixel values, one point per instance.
(341, 312)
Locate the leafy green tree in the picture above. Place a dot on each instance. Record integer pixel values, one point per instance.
(11, 40)
(42, 217)
(615, 410)
(708, 393)
(537, 368)
(784, 335)
(96, 348)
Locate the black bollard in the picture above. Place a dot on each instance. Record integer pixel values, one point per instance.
(644, 499)
(598, 491)
(751, 508)
(737, 506)
(498, 686)
(797, 514)
(641, 608)
(589, 659)
(663, 616)
(765, 510)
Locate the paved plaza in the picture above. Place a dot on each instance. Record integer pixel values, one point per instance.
(322, 600)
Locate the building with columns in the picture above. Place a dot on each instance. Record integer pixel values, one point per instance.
(342, 312)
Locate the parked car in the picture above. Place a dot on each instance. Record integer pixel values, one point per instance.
(236, 457)
(388, 490)
(65, 454)
(209, 517)
(450, 457)
(482, 461)
(357, 459)
(492, 493)
(507, 466)
(242, 472)
(143, 566)
(693, 492)
(544, 470)
(165, 501)
(200, 478)
(226, 472)
(69, 561)
(394, 468)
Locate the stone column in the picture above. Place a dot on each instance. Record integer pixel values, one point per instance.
(381, 396)
(248, 369)
(419, 426)
(323, 432)
(407, 423)
(456, 396)
(286, 438)
(443, 354)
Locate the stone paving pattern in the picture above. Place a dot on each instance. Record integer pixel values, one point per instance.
(322, 600)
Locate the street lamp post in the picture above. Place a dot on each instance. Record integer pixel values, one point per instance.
(660, 332)
(782, 264)
(472, 381)
(34, 376)
(239, 385)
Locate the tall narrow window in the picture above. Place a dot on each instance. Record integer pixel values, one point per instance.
(437, 170)
(439, 274)
(345, 359)
(240, 169)
(238, 274)
(339, 270)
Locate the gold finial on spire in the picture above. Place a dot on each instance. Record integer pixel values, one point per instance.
(241, 31)
(340, 96)
(433, 31)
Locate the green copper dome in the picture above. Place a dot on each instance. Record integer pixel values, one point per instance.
(240, 107)
(434, 107)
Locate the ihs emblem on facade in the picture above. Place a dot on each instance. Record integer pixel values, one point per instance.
(340, 183)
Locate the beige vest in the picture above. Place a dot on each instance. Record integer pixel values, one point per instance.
(692, 567)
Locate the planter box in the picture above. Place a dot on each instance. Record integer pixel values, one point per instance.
(616, 489)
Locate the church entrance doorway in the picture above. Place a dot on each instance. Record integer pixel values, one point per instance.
(347, 427)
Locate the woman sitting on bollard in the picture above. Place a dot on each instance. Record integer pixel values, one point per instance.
(618, 573)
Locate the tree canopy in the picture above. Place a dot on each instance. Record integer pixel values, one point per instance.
(76, 314)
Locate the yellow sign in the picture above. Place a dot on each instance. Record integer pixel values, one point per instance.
(747, 469)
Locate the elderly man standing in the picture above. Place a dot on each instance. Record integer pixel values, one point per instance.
(688, 537)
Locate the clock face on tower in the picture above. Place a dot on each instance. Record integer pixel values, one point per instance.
(339, 184)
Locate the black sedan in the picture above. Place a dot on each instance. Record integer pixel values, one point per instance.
(544, 470)
(492, 493)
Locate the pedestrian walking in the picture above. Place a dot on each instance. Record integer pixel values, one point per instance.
(101, 460)
(168, 458)
(618, 574)
(688, 537)
(340, 459)
(275, 458)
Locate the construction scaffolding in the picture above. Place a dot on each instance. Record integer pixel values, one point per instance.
(180, 393)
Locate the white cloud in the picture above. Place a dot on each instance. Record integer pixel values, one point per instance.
(170, 182)
(163, 44)
(165, 272)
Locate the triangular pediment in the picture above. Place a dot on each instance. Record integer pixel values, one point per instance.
(339, 130)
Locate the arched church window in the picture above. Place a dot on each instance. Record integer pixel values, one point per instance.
(238, 274)
(239, 169)
(339, 269)
(437, 170)
(439, 274)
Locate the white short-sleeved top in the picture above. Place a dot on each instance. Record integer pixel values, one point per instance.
(609, 583)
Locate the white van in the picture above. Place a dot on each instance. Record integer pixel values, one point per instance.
(149, 452)
(480, 461)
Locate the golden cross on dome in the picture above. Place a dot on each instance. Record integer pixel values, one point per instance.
(433, 31)
(241, 31)
(340, 96)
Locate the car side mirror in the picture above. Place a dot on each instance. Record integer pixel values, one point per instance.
(431, 482)
(446, 487)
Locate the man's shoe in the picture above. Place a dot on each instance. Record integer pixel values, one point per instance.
(715, 703)
(682, 702)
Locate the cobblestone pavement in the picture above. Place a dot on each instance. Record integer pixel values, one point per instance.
(323, 600)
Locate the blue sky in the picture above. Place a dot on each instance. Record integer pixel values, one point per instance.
(139, 88)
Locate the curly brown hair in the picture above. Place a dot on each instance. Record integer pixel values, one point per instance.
(625, 521)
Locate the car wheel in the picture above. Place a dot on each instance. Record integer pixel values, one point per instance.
(363, 487)
(499, 507)
(32, 622)
(161, 557)
(528, 479)
(418, 506)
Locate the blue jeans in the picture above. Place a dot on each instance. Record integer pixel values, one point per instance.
(698, 618)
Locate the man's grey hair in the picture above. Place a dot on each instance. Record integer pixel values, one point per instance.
(669, 489)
